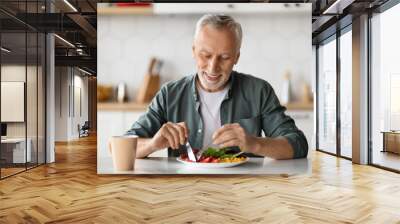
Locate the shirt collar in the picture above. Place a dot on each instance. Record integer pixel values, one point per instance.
(196, 94)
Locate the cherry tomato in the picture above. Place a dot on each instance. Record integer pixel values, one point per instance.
(207, 160)
(214, 160)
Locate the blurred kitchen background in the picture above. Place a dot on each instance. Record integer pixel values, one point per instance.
(140, 48)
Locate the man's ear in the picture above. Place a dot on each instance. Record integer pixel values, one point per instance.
(193, 51)
(237, 58)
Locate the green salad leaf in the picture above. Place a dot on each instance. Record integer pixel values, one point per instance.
(217, 153)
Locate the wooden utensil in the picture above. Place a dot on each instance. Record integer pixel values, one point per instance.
(151, 82)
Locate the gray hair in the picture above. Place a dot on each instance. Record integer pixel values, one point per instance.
(220, 21)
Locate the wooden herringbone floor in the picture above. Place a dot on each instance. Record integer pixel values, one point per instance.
(70, 191)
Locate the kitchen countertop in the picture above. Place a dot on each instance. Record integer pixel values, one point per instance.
(129, 106)
(306, 106)
(134, 106)
(169, 165)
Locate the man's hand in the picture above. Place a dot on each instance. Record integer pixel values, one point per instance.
(170, 135)
(234, 135)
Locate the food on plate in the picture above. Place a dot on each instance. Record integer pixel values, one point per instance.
(213, 155)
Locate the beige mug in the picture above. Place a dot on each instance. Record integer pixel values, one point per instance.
(123, 151)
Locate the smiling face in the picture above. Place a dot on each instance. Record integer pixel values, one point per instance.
(216, 51)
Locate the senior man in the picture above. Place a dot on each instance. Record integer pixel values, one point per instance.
(218, 106)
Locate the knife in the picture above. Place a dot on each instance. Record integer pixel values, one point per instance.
(190, 153)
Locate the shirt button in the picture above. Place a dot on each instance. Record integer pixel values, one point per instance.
(199, 131)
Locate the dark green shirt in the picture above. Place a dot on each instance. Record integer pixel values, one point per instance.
(250, 101)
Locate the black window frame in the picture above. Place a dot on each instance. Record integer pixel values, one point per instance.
(333, 34)
(30, 29)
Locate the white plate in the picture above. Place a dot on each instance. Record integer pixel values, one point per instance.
(211, 165)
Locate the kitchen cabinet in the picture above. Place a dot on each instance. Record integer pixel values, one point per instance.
(304, 120)
(202, 8)
(108, 124)
(230, 8)
(116, 122)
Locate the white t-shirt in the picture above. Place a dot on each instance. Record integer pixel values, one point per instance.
(210, 104)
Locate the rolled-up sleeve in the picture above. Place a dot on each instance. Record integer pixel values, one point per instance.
(276, 123)
(149, 123)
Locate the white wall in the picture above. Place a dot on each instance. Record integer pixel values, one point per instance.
(17, 73)
(69, 82)
(33, 126)
(61, 103)
(272, 45)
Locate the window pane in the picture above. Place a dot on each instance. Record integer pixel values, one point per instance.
(14, 152)
(346, 94)
(22, 88)
(327, 97)
(386, 89)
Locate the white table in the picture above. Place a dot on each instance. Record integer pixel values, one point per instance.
(19, 149)
(164, 165)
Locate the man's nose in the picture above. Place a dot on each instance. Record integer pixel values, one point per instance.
(213, 65)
